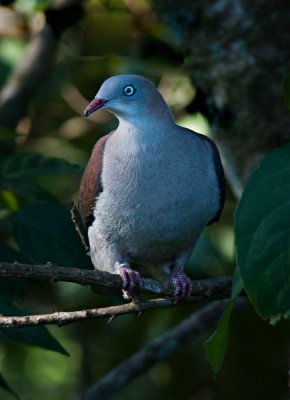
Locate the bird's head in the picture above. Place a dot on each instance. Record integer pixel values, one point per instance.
(127, 97)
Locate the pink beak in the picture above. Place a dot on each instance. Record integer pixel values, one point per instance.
(93, 106)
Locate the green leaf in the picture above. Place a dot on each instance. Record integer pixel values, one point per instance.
(26, 165)
(28, 189)
(28, 6)
(262, 228)
(18, 173)
(44, 232)
(6, 133)
(33, 336)
(5, 386)
(286, 90)
(237, 286)
(216, 346)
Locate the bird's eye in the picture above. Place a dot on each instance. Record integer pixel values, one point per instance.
(129, 90)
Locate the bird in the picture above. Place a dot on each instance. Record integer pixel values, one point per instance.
(149, 188)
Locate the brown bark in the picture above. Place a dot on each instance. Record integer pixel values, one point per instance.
(215, 288)
(238, 55)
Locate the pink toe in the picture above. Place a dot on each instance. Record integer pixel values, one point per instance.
(181, 283)
(130, 280)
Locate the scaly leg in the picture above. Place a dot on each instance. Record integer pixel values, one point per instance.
(130, 279)
(181, 282)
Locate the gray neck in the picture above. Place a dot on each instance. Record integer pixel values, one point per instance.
(160, 121)
(157, 116)
(146, 130)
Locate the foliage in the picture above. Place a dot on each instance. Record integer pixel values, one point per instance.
(5, 386)
(37, 233)
(262, 227)
(33, 336)
(18, 173)
(262, 232)
(40, 166)
(217, 344)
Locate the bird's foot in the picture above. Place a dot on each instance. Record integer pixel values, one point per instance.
(130, 280)
(181, 283)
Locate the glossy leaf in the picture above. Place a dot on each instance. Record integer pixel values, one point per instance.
(262, 227)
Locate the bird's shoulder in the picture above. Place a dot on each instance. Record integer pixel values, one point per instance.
(218, 167)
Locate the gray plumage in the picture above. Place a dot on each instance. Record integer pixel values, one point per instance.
(160, 184)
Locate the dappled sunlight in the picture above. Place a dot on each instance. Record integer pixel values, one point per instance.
(57, 147)
(196, 122)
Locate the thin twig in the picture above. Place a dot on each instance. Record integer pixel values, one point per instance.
(154, 351)
(214, 288)
(68, 317)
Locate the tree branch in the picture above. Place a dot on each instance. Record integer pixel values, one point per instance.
(67, 317)
(154, 351)
(214, 288)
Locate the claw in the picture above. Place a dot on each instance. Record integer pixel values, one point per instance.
(130, 280)
(181, 282)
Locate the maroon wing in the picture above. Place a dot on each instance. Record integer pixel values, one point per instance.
(90, 188)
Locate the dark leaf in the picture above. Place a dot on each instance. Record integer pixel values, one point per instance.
(9, 254)
(12, 288)
(262, 227)
(18, 173)
(5, 386)
(27, 189)
(27, 165)
(44, 232)
(216, 346)
(33, 336)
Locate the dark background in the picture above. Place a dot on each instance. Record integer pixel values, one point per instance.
(220, 68)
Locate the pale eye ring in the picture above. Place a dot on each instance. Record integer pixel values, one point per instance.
(129, 90)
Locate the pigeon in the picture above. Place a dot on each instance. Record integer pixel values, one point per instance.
(149, 188)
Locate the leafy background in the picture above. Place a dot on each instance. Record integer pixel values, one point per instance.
(39, 178)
